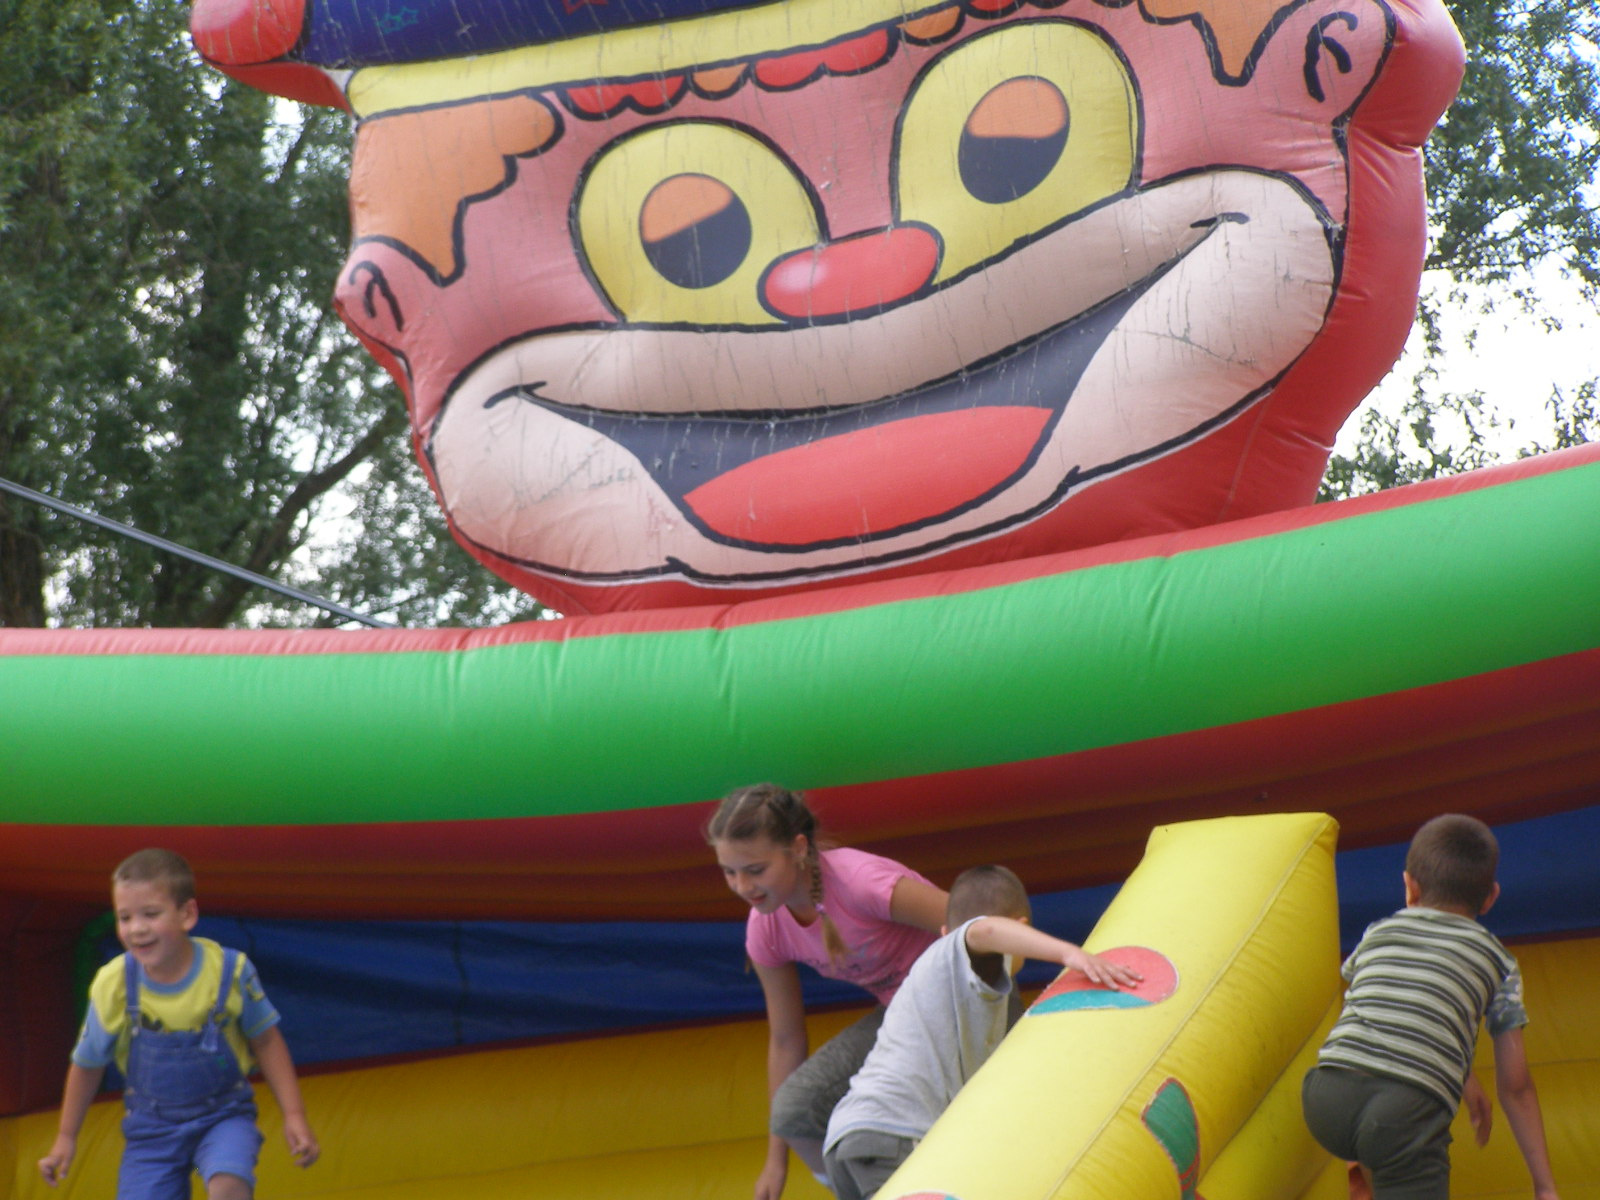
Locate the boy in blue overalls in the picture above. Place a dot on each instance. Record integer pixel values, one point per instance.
(184, 1019)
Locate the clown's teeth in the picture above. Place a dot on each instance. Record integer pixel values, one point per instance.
(717, 82)
(784, 72)
(644, 95)
(933, 27)
(848, 57)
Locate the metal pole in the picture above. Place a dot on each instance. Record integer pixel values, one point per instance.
(205, 560)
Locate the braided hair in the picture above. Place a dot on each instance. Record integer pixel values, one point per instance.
(765, 810)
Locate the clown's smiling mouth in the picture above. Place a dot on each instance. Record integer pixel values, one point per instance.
(738, 477)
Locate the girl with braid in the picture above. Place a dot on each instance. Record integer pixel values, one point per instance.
(850, 915)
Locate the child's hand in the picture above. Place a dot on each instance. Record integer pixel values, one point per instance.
(1101, 970)
(302, 1142)
(770, 1185)
(53, 1166)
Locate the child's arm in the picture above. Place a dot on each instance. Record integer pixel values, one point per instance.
(1002, 935)
(82, 1085)
(787, 1045)
(920, 904)
(272, 1052)
(1479, 1111)
(1514, 1085)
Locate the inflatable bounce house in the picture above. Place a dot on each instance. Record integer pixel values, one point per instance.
(920, 405)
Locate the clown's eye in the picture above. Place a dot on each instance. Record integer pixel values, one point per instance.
(1013, 140)
(1012, 132)
(678, 221)
(694, 230)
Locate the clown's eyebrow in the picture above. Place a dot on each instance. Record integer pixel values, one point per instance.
(1320, 45)
(376, 285)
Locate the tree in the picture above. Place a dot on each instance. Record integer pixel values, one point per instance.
(1433, 437)
(171, 359)
(1511, 185)
(1511, 168)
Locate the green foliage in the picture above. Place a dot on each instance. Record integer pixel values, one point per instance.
(1575, 419)
(1511, 185)
(170, 359)
(1511, 168)
(1393, 450)
(1431, 438)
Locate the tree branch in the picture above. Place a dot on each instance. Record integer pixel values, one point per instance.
(276, 541)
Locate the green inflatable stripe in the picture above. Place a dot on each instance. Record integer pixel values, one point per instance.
(1400, 598)
(1171, 1119)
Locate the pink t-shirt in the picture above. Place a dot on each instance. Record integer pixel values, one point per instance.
(856, 887)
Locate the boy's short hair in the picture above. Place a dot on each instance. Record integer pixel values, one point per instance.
(989, 891)
(1453, 859)
(169, 869)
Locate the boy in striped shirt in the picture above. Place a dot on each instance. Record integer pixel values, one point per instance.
(1391, 1074)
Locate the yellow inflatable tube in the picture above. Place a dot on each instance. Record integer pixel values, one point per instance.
(1137, 1099)
(1274, 1156)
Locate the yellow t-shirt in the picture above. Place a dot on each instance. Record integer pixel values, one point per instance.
(173, 1007)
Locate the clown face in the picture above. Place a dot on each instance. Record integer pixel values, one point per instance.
(771, 297)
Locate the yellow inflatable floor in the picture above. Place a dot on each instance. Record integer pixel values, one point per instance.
(678, 1115)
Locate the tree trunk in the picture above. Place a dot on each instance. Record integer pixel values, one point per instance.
(21, 565)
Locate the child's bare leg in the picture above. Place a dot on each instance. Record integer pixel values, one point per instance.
(223, 1186)
(1360, 1183)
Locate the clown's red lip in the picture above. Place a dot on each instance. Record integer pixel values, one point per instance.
(913, 459)
(936, 465)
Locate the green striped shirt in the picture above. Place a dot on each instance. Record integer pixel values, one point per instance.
(1420, 982)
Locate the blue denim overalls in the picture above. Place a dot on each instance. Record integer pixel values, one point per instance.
(178, 1075)
(180, 1085)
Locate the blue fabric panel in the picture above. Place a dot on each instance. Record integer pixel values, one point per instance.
(349, 33)
(350, 990)
(1549, 881)
(365, 989)
(362, 989)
